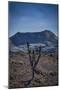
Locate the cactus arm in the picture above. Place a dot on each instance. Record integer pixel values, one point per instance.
(29, 54)
(38, 57)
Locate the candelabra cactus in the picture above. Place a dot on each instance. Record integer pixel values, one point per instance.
(33, 61)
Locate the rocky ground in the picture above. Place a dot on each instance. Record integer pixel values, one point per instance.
(20, 71)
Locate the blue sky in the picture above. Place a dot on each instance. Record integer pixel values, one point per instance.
(29, 17)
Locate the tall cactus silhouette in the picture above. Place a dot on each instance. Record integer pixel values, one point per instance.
(39, 54)
(33, 61)
(29, 54)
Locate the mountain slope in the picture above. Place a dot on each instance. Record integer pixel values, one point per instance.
(45, 37)
(12, 47)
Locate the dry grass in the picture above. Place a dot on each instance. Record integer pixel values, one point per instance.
(46, 72)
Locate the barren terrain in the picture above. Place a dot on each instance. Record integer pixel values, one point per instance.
(20, 71)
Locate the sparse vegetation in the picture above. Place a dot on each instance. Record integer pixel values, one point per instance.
(33, 70)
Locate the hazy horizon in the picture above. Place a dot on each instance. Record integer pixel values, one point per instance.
(32, 32)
